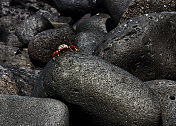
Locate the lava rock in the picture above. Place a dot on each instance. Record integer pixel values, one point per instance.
(17, 81)
(18, 110)
(31, 27)
(13, 56)
(110, 95)
(144, 46)
(140, 7)
(74, 8)
(96, 22)
(165, 91)
(46, 42)
(88, 41)
(116, 8)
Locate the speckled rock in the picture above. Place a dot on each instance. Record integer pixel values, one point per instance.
(31, 27)
(46, 42)
(26, 111)
(108, 94)
(13, 56)
(140, 7)
(116, 8)
(96, 22)
(74, 8)
(165, 91)
(144, 46)
(17, 81)
(88, 41)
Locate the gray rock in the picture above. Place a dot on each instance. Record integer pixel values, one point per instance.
(31, 27)
(46, 42)
(14, 57)
(74, 7)
(88, 41)
(108, 94)
(96, 22)
(143, 46)
(23, 111)
(140, 7)
(116, 8)
(17, 81)
(165, 90)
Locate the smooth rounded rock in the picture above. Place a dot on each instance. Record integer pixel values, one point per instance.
(46, 42)
(28, 111)
(31, 27)
(96, 22)
(74, 8)
(144, 46)
(165, 91)
(88, 41)
(116, 8)
(140, 7)
(108, 94)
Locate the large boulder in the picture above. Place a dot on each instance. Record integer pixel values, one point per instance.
(144, 46)
(26, 111)
(108, 95)
(165, 91)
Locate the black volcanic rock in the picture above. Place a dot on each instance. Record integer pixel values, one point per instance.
(74, 8)
(140, 7)
(96, 22)
(18, 110)
(116, 8)
(14, 57)
(17, 81)
(108, 94)
(31, 27)
(165, 90)
(144, 46)
(46, 42)
(88, 41)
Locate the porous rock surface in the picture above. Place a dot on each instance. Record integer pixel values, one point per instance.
(165, 91)
(116, 8)
(88, 41)
(96, 22)
(46, 42)
(31, 27)
(144, 46)
(108, 94)
(18, 81)
(18, 110)
(140, 7)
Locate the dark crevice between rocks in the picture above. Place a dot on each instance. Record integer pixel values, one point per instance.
(172, 97)
(110, 24)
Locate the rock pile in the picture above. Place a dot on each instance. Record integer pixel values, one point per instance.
(123, 75)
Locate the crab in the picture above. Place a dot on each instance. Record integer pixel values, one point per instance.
(64, 48)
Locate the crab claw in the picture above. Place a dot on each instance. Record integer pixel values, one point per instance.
(53, 58)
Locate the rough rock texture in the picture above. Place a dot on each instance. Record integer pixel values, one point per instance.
(116, 8)
(31, 27)
(140, 7)
(110, 95)
(17, 81)
(96, 22)
(74, 8)
(46, 42)
(23, 111)
(88, 41)
(13, 56)
(144, 46)
(165, 90)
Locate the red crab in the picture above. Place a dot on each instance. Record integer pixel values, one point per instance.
(64, 48)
